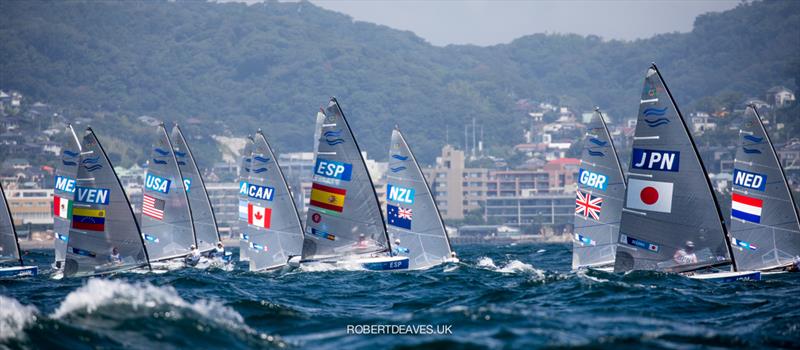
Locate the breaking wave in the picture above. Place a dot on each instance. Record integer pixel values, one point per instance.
(14, 317)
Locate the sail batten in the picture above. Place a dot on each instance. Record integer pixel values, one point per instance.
(764, 226)
(274, 226)
(344, 217)
(104, 235)
(671, 220)
(414, 222)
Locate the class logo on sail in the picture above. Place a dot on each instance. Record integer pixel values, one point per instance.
(260, 192)
(261, 167)
(746, 179)
(89, 219)
(69, 158)
(92, 164)
(586, 205)
(592, 179)
(658, 160)
(326, 197)
(333, 170)
(649, 195)
(91, 195)
(654, 117)
(65, 184)
(399, 216)
(333, 137)
(160, 153)
(157, 183)
(400, 194)
(746, 208)
(396, 158)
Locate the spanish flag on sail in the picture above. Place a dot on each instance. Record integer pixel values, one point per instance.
(326, 197)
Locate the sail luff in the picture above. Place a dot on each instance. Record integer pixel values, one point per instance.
(182, 184)
(282, 179)
(10, 219)
(64, 189)
(244, 178)
(613, 147)
(703, 167)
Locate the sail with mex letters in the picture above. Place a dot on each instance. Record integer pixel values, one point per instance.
(765, 230)
(671, 220)
(244, 178)
(274, 226)
(205, 222)
(166, 219)
(64, 194)
(599, 199)
(104, 236)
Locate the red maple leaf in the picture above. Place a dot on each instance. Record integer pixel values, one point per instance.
(258, 215)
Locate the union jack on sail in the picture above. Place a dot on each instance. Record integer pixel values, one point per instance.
(586, 205)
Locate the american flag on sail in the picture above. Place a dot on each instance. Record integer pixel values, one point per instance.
(586, 205)
(153, 207)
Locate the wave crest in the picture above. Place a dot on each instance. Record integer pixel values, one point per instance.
(513, 266)
(14, 317)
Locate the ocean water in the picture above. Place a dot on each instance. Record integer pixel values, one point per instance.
(503, 297)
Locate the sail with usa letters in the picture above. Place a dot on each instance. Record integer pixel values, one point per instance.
(274, 226)
(104, 236)
(205, 222)
(414, 223)
(64, 194)
(599, 199)
(671, 220)
(765, 230)
(244, 178)
(166, 219)
(9, 245)
(344, 221)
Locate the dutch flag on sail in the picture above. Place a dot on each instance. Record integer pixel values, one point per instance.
(746, 208)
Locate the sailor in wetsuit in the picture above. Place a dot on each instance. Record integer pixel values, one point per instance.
(686, 255)
(114, 257)
(194, 255)
(398, 250)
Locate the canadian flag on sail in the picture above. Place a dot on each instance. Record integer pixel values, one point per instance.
(258, 216)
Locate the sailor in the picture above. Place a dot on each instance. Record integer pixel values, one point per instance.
(114, 257)
(398, 250)
(218, 252)
(362, 241)
(795, 266)
(194, 255)
(686, 255)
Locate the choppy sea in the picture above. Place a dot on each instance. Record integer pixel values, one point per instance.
(503, 297)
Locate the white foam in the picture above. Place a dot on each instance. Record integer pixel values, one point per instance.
(339, 266)
(513, 266)
(101, 292)
(14, 317)
(487, 263)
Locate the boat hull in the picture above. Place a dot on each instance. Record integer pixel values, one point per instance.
(19, 271)
(729, 276)
(381, 263)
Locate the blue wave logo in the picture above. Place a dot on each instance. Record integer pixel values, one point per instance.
(161, 151)
(752, 138)
(657, 122)
(180, 162)
(399, 157)
(597, 141)
(333, 138)
(180, 154)
(247, 169)
(397, 169)
(71, 154)
(751, 150)
(261, 159)
(93, 167)
(259, 170)
(595, 153)
(247, 160)
(159, 161)
(652, 111)
(94, 160)
(69, 163)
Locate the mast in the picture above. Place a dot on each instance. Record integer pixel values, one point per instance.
(180, 179)
(11, 222)
(702, 166)
(202, 182)
(611, 141)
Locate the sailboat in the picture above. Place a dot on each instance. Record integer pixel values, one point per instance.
(765, 230)
(244, 178)
(104, 236)
(344, 225)
(415, 226)
(64, 195)
(9, 244)
(205, 222)
(166, 218)
(274, 227)
(671, 220)
(599, 199)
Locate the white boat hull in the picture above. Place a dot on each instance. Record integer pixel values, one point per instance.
(19, 271)
(729, 276)
(381, 263)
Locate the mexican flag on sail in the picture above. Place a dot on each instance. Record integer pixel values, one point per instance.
(62, 207)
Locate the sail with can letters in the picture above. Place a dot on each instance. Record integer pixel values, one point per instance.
(765, 230)
(166, 218)
(274, 226)
(64, 194)
(671, 220)
(599, 199)
(104, 236)
(344, 216)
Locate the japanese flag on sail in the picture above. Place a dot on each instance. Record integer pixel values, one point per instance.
(62, 207)
(649, 195)
(258, 216)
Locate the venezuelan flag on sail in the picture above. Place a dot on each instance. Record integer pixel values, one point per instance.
(89, 219)
(327, 197)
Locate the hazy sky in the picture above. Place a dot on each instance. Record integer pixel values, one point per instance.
(488, 22)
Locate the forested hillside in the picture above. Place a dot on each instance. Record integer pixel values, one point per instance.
(272, 65)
